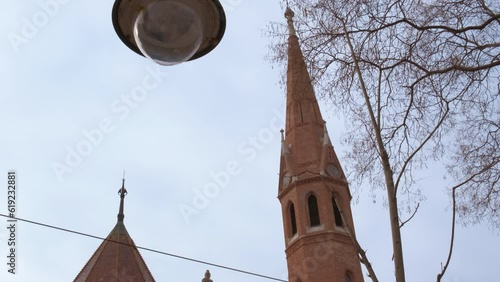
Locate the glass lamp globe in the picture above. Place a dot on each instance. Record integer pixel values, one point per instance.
(168, 31)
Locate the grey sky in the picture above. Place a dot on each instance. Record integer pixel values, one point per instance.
(71, 76)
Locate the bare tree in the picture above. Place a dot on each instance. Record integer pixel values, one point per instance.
(417, 81)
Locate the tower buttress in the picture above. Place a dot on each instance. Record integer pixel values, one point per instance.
(313, 190)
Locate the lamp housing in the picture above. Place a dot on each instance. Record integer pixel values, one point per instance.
(169, 31)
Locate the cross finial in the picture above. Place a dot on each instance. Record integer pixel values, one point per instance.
(289, 14)
(122, 192)
(207, 277)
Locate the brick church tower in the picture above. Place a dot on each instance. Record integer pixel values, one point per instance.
(313, 190)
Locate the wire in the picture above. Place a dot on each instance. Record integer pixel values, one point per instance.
(147, 249)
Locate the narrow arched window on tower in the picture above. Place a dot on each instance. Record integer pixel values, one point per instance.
(336, 214)
(312, 204)
(293, 221)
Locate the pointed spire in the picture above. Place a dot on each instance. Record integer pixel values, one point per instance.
(326, 137)
(304, 123)
(327, 146)
(302, 106)
(122, 192)
(284, 146)
(287, 159)
(117, 258)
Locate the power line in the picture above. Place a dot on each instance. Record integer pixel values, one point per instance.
(147, 249)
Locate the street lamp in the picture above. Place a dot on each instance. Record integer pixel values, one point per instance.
(169, 31)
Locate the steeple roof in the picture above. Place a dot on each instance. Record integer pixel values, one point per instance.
(117, 258)
(302, 106)
(306, 150)
(312, 188)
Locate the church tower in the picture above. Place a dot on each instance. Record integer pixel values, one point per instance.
(313, 189)
(117, 258)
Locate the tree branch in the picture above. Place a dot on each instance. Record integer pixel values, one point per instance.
(388, 173)
(413, 214)
(412, 155)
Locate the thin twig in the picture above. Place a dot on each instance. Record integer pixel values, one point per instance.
(406, 221)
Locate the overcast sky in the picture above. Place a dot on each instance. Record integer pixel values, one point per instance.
(67, 82)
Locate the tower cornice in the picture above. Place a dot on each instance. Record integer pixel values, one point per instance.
(318, 238)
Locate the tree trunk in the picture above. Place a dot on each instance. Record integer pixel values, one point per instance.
(384, 158)
(397, 245)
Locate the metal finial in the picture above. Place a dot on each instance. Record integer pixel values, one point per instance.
(122, 192)
(207, 277)
(289, 14)
(282, 135)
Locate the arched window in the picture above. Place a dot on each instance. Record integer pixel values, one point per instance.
(348, 277)
(336, 214)
(293, 221)
(312, 204)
